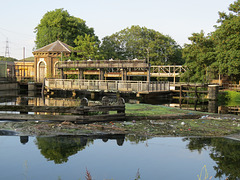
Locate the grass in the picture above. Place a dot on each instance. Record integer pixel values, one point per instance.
(233, 98)
(151, 110)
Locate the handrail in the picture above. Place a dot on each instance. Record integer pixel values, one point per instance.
(107, 85)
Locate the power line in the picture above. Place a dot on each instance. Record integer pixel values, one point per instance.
(14, 32)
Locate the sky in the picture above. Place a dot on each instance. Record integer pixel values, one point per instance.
(175, 18)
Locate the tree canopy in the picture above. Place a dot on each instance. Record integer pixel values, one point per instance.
(2, 58)
(87, 48)
(60, 25)
(130, 43)
(217, 53)
(141, 43)
(199, 56)
(228, 41)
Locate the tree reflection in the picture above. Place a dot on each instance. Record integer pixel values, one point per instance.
(225, 152)
(136, 139)
(59, 148)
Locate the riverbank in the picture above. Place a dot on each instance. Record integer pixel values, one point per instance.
(141, 120)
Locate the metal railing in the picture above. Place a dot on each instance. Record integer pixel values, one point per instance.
(106, 85)
(167, 70)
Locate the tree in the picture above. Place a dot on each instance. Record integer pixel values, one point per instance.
(87, 47)
(199, 56)
(141, 43)
(2, 58)
(60, 25)
(228, 41)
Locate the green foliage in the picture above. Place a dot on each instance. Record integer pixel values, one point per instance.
(60, 25)
(199, 56)
(232, 98)
(2, 58)
(224, 152)
(28, 59)
(150, 110)
(87, 47)
(217, 53)
(59, 148)
(223, 98)
(141, 43)
(228, 42)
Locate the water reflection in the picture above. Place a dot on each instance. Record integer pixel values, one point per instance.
(225, 152)
(7, 133)
(68, 100)
(157, 158)
(24, 139)
(60, 148)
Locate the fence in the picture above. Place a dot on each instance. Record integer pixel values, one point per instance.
(103, 85)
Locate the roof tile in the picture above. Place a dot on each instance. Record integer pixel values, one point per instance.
(56, 46)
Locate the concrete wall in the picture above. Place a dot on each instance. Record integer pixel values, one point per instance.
(8, 86)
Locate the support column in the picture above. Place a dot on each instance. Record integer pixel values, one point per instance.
(101, 74)
(212, 98)
(125, 74)
(212, 92)
(80, 73)
(62, 74)
(174, 75)
(148, 73)
(122, 74)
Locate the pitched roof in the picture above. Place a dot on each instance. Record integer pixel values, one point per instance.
(56, 46)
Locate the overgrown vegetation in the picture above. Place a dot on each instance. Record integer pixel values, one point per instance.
(229, 98)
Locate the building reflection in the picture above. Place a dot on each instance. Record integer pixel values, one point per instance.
(24, 139)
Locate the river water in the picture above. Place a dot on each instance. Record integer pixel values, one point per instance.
(113, 157)
(118, 158)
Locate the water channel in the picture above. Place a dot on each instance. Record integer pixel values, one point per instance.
(113, 157)
(69, 157)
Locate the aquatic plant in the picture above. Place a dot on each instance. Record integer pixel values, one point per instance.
(88, 175)
(205, 173)
(137, 175)
(204, 169)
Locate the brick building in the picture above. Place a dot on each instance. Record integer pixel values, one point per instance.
(46, 59)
